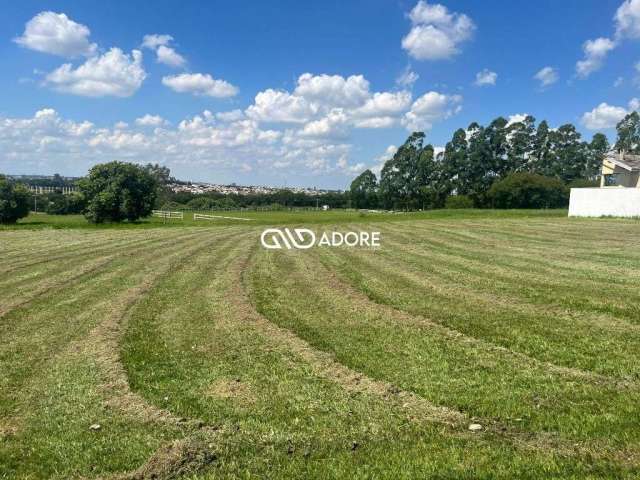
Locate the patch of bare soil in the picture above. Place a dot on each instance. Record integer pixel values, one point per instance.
(234, 389)
(178, 459)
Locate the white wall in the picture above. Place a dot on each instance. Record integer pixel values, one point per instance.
(599, 202)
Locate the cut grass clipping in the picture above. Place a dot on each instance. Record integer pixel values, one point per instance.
(467, 346)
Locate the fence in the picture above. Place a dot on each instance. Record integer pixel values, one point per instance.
(200, 216)
(167, 214)
(38, 190)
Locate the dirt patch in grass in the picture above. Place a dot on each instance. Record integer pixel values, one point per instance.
(234, 389)
(179, 459)
(7, 430)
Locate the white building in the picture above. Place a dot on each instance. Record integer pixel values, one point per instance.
(619, 192)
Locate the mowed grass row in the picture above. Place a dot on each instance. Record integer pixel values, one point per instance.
(464, 346)
(201, 355)
(275, 412)
(51, 389)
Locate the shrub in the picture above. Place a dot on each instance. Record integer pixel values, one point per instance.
(59, 204)
(528, 190)
(583, 183)
(14, 201)
(458, 201)
(118, 191)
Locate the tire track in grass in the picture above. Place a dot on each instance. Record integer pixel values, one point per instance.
(103, 342)
(542, 338)
(324, 364)
(473, 276)
(526, 439)
(362, 301)
(538, 263)
(61, 268)
(570, 261)
(93, 247)
(38, 334)
(100, 344)
(55, 284)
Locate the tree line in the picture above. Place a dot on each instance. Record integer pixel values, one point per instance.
(478, 157)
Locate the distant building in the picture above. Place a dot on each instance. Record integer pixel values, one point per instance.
(619, 192)
(621, 170)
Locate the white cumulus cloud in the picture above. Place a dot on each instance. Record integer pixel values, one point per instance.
(169, 56)
(627, 19)
(429, 108)
(607, 116)
(153, 41)
(334, 90)
(200, 84)
(436, 33)
(149, 120)
(55, 33)
(486, 77)
(407, 78)
(111, 74)
(164, 53)
(279, 106)
(547, 76)
(595, 52)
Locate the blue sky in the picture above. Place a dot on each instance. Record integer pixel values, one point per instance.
(297, 93)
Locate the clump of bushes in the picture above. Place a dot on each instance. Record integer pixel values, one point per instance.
(458, 201)
(14, 201)
(528, 190)
(118, 191)
(58, 204)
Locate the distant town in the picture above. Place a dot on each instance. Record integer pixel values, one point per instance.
(46, 183)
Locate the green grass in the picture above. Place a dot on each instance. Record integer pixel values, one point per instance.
(202, 355)
(285, 217)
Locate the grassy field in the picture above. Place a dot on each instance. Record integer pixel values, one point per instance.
(136, 352)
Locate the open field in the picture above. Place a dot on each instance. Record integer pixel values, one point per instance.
(284, 217)
(202, 355)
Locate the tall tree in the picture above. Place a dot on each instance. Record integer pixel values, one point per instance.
(364, 190)
(598, 148)
(570, 154)
(398, 188)
(542, 162)
(454, 161)
(521, 139)
(629, 133)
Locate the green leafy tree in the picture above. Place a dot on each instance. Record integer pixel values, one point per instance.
(397, 179)
(629, 134)
(454, 162)
(458, 201)
(528, 190)
(521, 138)
(118, 191)
(598, 148)
(543, 158)
(162, 176)
(569, 153)
(364, 190)
(58, 204)
(14, 201)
